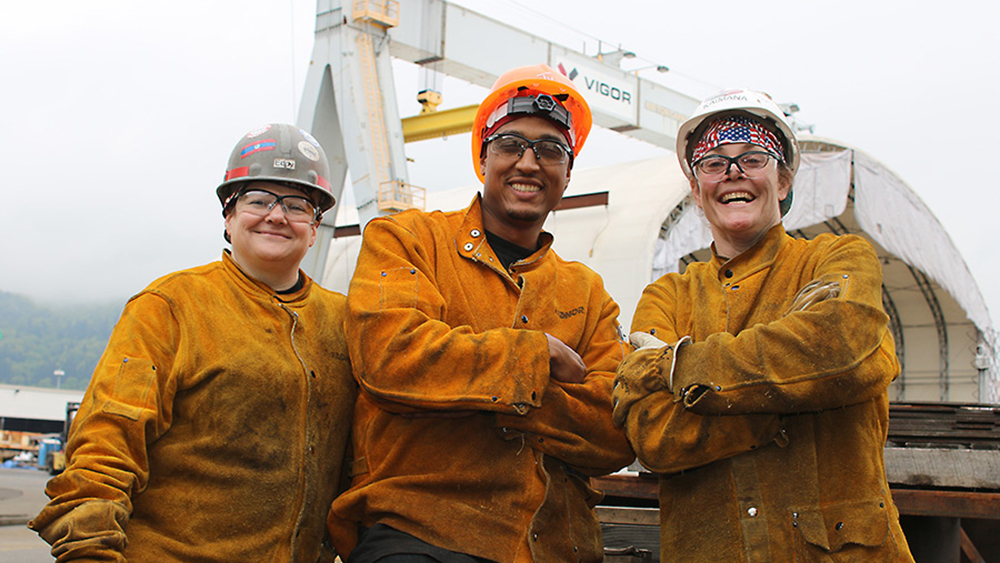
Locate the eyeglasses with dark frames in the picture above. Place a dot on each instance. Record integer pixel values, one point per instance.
(548, 152)
(720, 164)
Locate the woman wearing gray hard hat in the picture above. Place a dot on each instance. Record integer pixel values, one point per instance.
(758, 389)
(216, 422)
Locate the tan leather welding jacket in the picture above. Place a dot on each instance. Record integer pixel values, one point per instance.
(213, 429)
(770, 447)
(462, 438)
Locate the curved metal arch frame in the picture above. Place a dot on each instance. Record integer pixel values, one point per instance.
(927, 289)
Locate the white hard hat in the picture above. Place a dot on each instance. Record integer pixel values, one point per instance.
(736, 101)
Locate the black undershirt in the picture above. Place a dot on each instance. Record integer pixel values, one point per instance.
(506, 251)
(299, 282)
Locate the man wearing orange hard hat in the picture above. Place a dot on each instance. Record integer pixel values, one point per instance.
(485, 360)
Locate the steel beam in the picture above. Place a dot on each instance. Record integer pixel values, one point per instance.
(449, 39)
(437, 124)
(582, 200)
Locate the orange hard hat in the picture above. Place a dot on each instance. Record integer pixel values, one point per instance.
(540, 83)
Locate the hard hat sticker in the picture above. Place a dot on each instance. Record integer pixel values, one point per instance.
(309, 137)
(258, 132)
(284, 164)
(308, 151)
(259, 146)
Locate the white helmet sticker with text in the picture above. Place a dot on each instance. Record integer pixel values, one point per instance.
(308, 150)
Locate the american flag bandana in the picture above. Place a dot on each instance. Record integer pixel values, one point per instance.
(737, 129)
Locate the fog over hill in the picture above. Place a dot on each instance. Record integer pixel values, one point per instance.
(36, 341)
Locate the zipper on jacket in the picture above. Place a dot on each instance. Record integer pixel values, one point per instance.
(308, 437)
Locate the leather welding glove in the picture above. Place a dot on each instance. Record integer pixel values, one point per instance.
(89, 531)
(647, 370)
(813, 293)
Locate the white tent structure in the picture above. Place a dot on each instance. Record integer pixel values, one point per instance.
(649, 226)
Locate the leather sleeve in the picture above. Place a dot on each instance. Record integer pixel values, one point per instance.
(408, 359)
(836, 353)
(574, 421)
(121, 411)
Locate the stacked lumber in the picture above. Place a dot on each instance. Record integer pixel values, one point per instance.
(944, 425)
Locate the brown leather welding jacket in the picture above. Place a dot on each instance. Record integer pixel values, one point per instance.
(461, 437)
(771, 445)
(214, 427)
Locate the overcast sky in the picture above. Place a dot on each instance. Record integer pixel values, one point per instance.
(120, 114)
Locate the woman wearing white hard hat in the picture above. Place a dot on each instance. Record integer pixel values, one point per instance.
(759, 387)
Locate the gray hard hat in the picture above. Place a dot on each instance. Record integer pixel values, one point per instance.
(281, 153)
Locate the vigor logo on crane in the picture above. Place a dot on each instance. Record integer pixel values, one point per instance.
(599, 87)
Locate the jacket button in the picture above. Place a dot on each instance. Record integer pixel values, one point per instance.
(795, 515)
(729, 273)
(475, 232)
(752, 511)
(468, 246)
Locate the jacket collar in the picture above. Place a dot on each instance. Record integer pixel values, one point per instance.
(470, 240)
(260, 289)
(758, 256)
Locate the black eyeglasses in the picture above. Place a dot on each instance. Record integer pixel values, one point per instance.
(548, 152)
(297, 208)
(720, 164)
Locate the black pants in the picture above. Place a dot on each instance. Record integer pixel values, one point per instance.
(383, 544)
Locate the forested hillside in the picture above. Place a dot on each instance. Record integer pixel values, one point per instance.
(36, 341)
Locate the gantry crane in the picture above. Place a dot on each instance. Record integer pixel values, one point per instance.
(349, 101)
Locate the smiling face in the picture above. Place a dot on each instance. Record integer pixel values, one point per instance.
(740, 208)
(269, 247)
(519, 193)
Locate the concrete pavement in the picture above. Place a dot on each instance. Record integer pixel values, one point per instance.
(22, 495)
